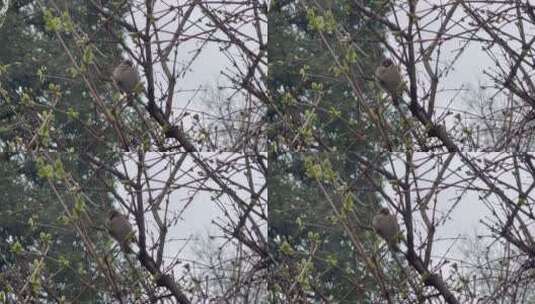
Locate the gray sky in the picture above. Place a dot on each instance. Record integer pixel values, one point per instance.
(467, 70)
(200, 79)
(468, 208)
(197, 210)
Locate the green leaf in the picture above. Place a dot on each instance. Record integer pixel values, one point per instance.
(286, 248)
(16, 248)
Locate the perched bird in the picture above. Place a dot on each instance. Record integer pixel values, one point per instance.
(387, 227)
(389, 78)
(126, 76)
(121, 230)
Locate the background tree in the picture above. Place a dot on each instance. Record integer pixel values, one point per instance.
(423, 39)
(157, 192)
(322, 58)
(321, 104)
(438, 199)
(40, 95)
(315, 259)
(437, 46)
(73, 127)
(34, 80)
(40, 257)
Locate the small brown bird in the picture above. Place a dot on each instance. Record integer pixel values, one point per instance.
(126, 76)
(387, 227)
(121, 230)
(389, 78)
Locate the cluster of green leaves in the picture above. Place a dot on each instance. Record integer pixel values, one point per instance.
(43, 100)
(318, 51)
(307, 237)
(314, 105)
(35, 228)
(41, 87)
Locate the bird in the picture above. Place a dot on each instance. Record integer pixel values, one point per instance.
(126, 76)
(387, 227)
(121, 230)
(389, 78)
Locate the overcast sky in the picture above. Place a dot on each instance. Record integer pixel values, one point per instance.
(203, 77)
(458, 229)
(467, 70)
(196, 222)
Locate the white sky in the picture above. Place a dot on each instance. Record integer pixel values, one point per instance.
(196, 222)
(202, 77)
(468, 69)
(204, 74)
(464, 220)
(468, 72)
